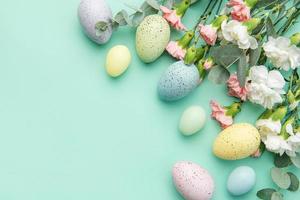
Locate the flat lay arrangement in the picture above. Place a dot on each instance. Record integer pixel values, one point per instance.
(239, 43)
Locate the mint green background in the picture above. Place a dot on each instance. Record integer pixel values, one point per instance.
(69, 132)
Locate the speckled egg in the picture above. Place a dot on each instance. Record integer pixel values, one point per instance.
(237, 142)
(178, 81)
(117, 60)
(92, 11)
(152, 37)
(241, 180)
(192, 181)
(192, 120)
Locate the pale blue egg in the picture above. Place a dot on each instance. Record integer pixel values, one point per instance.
(178, 81)
(241, 180)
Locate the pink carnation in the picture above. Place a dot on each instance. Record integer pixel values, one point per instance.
(175, 50)
(172, 18)
(219, 114)
(208, 33)
(234, 88)
(240, 11)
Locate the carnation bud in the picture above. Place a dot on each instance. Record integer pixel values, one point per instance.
(190, 55)
(295, 39)
(252, 23)
(186, 39)
(219, 20)
(202, 71)
(208, 63)
(291, 97)
(182, 7)
(251, 3)
(283, 132)
(200, 53)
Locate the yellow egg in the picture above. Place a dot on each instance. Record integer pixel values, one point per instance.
(237, 142)
(117, 60)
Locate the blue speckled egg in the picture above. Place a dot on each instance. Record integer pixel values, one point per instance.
(89, 13)
(178, 81)
(241, 180)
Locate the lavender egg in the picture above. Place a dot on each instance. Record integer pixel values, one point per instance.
(192, 181)
(92, 11)
(178, 81)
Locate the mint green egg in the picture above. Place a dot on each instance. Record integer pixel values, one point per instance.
(152, 37)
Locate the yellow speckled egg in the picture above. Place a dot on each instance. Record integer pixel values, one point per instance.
(117, 60)
(237, 142)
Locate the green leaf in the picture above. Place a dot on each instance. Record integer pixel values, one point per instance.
(226, 55)
(218, 74)
(277, 196)
(270, 28)
(267, 4)
(265, 194)
(154, 4)
(294, 182)
(137, 18)
(122, 18)
(296, 160)
(281, 178)
(254, 55)
(282, 161)
(242, 70)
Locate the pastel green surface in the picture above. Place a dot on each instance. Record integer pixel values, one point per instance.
(70, 132)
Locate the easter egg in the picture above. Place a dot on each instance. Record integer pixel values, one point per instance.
(237, 142)
(241, 180)
(152, 37)
(117, 60)
(192, 181)
(92, 11)
(192, 120)
(178, 81)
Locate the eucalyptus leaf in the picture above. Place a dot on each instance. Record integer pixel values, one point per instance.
(277, 196)
(226, 55)
(265, 194)
(296, 160)
(154, 4)
(254, 55)
(194, 1)
(294, 182)
(270, 28)
(281, 178)
(267, 4)
(122, 18)
(169, 3)
(137, 18)
(218, 75)
(242, 70)
(282, 161)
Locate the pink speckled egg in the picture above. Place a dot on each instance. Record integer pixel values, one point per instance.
(192, 181)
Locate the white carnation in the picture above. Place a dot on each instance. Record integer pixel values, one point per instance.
(235, 32)
(282, 53)
(265, 88)
(293, 141)
(268, 127)
(277, 144)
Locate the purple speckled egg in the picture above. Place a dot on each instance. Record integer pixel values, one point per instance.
(92, 11)
(192, 181)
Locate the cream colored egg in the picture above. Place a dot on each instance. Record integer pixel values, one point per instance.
(192, 120)
(237, 142)
(117, 60)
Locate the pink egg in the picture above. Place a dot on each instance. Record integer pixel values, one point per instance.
(192, 181)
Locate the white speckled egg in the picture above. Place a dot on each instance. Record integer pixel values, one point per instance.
(192, 120)
(152, 37)
(241, 180)
(92, 11)
(178, 81)
(237, 142)
(192, 181)
(117, 60)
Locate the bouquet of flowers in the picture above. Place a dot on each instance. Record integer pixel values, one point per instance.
(243, 44)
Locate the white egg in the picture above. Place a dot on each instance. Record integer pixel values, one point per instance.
(117, 60)
(192, 120)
